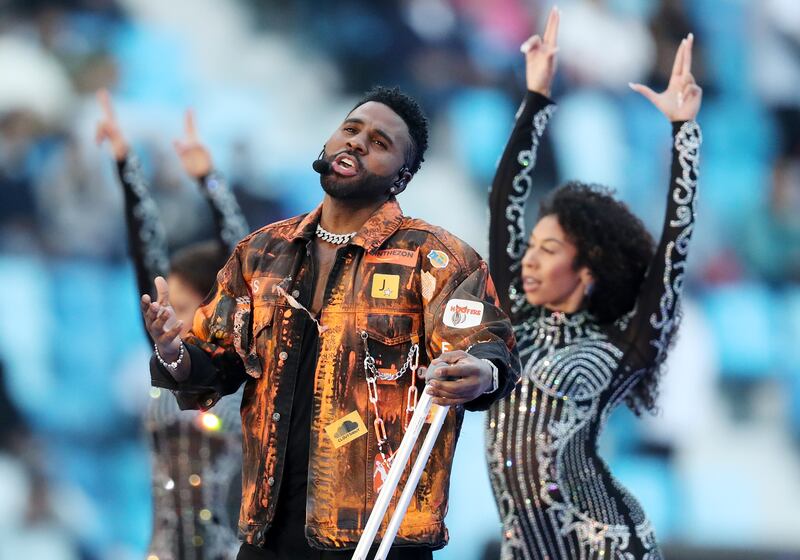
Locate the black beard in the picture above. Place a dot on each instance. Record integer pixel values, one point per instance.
(369, 186)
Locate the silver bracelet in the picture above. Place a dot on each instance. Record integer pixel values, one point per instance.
(495, 376)
(169, 365)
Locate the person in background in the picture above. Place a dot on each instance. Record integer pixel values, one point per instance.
(196, 455)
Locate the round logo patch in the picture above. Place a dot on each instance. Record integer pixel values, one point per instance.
(439, 259)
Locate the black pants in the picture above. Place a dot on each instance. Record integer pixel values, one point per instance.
(250, 552)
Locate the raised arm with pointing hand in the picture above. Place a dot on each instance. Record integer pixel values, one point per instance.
(681, 100)
(540, 56)
(194, 156)
(108, 128)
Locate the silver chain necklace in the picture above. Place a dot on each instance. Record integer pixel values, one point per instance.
(335, 238)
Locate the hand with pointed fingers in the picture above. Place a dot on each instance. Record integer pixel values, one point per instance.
(160, 321)
(108, 128)
(194, 156)
(681, 100)
(456, 378)
(540, 56)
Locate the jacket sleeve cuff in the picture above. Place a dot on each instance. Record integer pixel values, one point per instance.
(199, 391)
(498, 354)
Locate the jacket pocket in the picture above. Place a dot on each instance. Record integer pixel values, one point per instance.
(390, 339)
(263, 314)
(260, 348)
(389, 329)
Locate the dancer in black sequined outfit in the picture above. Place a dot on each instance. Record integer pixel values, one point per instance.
(197, 457)
(595, 309)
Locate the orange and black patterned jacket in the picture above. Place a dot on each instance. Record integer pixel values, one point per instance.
(402, 282)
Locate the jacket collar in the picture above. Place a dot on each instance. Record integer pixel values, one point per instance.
(375, 231)
(307, 228)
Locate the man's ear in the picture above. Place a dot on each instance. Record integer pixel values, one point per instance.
(400, 184)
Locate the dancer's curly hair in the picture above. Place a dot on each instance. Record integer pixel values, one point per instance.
(615, 245)
(411, 113)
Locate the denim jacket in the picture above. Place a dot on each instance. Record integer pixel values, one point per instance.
(399, 283)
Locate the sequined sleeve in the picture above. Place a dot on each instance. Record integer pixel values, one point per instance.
(510, 190)
(146, 238)
(654, 319)
(230, 223)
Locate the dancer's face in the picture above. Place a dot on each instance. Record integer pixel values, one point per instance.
(366, 153)
(549, 277)
(185, 301)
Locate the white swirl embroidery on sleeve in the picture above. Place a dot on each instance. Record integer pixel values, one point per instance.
(151, 234)
(687, 144)
(515, 211)
(234, 226)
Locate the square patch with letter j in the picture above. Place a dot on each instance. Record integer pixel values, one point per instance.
(385, 286)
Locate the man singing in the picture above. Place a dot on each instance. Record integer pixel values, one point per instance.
(325, 317)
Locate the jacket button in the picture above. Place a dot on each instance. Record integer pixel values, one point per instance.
(287, 313)
(271, 481)
(276, 416)
(296, 293)
(282, 356)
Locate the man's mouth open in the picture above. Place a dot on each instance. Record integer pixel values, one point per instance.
(345, 165)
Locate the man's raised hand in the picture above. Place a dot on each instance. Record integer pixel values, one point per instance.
(540, 56)
(681, 100)
(108, 128)
(160, 321)
(194, 156)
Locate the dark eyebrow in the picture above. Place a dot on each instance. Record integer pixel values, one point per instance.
(552, 239)
(378, 131)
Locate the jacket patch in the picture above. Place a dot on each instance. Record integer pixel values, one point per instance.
(439, 259)
(463, 313)
(427, 283)
(403, 257)
(385, 286)
(346, 429)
